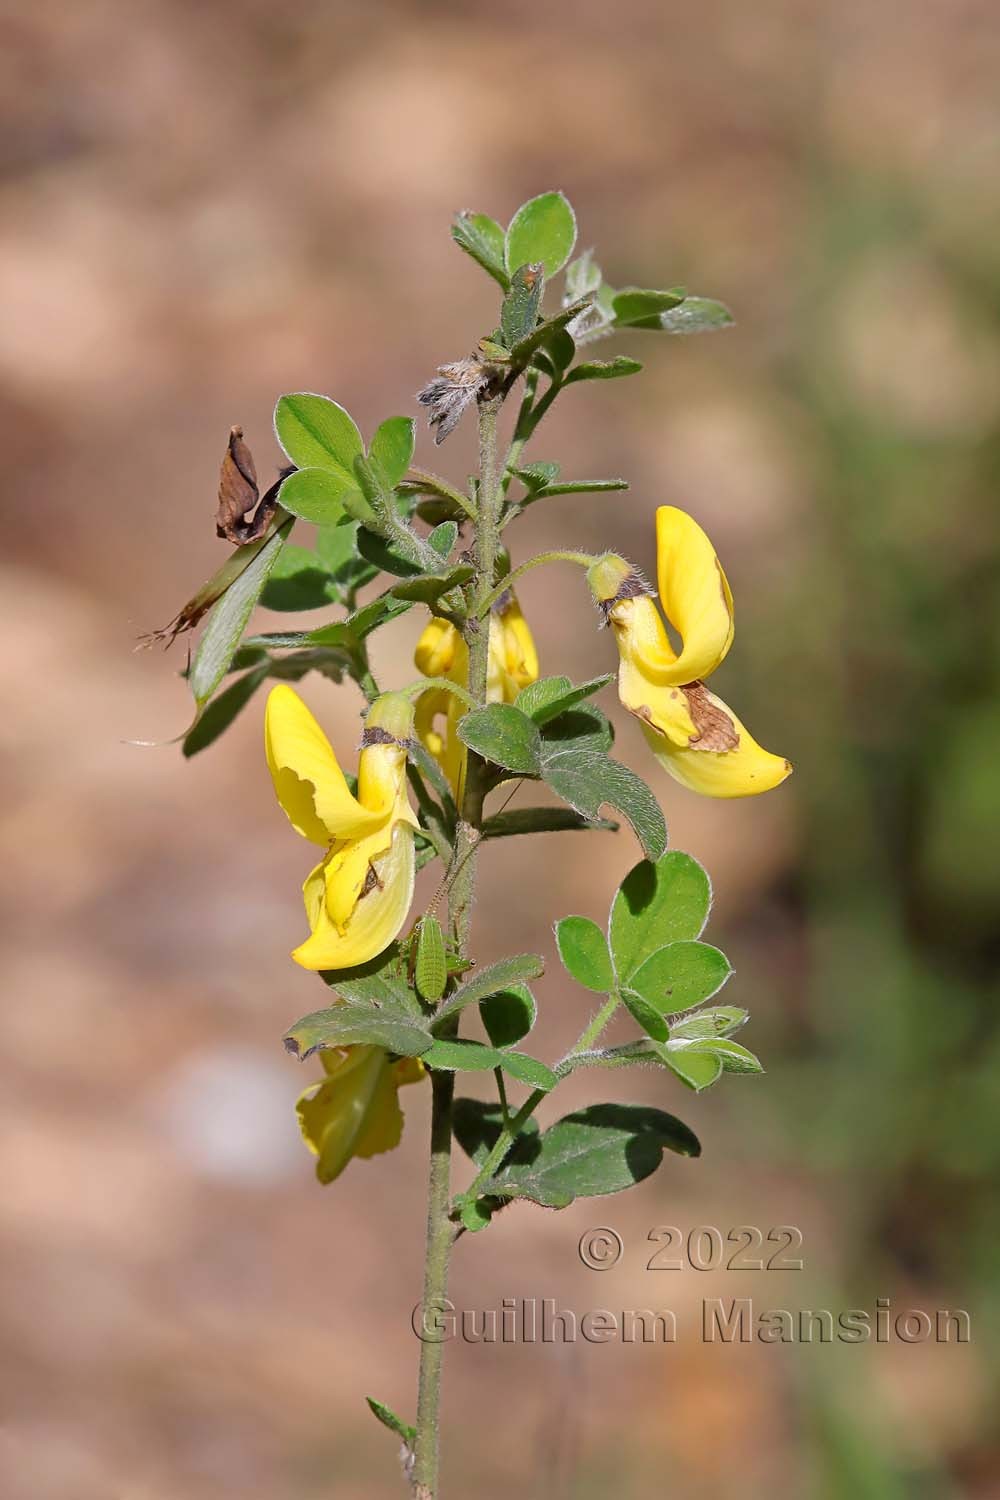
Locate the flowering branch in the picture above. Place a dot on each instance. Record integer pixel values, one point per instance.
(481, 714)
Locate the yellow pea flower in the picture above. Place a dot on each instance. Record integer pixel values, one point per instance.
(358, 896)
(441, 652)
(692, 733)
(354, 1110)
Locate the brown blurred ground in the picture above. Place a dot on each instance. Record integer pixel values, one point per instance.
(203, 206)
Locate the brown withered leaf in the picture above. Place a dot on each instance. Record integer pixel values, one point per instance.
(239, 495)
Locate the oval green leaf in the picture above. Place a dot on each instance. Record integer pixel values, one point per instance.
(509, 1015)
(348, 1025)
(680, 975)
(392, 448)
(598, 1150)
(317, 433)
(317, 495)
(583, 949)
(543, 229)
(657, 904)
(504, 735)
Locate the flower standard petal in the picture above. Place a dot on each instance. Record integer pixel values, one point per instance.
(311, 787)
(694, 592)
(722, 759)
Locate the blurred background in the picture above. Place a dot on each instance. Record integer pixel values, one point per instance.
(204, 206)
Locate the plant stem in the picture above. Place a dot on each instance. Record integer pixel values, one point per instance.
(582, 560)
(441, 1231)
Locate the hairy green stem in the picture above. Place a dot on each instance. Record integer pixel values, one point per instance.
(582, 560)
(441, 1232)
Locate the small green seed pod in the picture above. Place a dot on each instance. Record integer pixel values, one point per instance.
(431, 972)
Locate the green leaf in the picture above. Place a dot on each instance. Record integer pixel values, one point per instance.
(337, 549)
(490, 981)
(656, 904)
(520, 820)
(508, 1015)
(386, 554)
(504, 735)
(680, 975)
(537, 475)
(443, 538)
(220, 713)
(519, 312)
(716, 1021)
(477, 1124)
(528, 1070)
(549, 697)
(371, 616)
(696, 315)
(580, 487)
(583, 949)
(463, 1055)
(595, 1151)
(587, 780)
(547, 335)
(697, 1068)
(734, 1058)
(648, 1017)
(317, 433)
(476, 1213)
(604, 369)
(381, 982)
(347, 1025)
(392, 448)
(298, 581)
(225, 625)
(543, 230)
(482, 238)
(317, 495)
(636, 308)
(429, 587)
(389, 1419)
(583, 728)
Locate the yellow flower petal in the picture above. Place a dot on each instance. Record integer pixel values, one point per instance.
(694, 593)
(513, 659)
(643, 643)
(310, 785)
(381, 780)
(371, 895)
(437, 648)
(335, 1114)
(743, 770)
(383, 1127)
